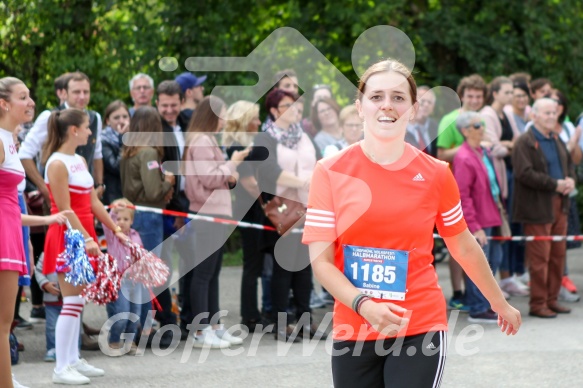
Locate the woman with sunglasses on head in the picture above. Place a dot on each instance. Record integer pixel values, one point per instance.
(371, 212)
(501, 132)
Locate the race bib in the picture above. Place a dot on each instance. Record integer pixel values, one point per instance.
(378, 273)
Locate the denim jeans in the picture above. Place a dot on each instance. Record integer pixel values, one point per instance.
(128, 292)
(150, 226)
(151, 230)
(52, 313)
(474, 298)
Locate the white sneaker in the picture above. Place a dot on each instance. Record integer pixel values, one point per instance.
(16, 384)
(70, 376)
(86, 369)
(223, 334)
(208, 339)
(524, 278)
(315, 301)
(510, 285)
(566, 296)
(519, 282)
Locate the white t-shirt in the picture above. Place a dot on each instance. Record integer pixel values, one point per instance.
(33, 144)
(181, 143)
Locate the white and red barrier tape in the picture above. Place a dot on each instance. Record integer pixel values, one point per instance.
(243, 224)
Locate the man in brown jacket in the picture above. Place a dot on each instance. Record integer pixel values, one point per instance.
(542, 181)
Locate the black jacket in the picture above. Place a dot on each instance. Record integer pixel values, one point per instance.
(431, 149)
(179, 201)
(111, 150)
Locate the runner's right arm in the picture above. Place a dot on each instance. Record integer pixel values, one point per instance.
(381, 316)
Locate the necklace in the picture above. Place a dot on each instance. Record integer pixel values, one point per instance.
(372, 158)
(369, 155)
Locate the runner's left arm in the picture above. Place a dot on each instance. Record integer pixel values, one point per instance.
(467, 252)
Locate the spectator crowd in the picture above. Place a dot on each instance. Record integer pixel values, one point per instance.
(513, 147)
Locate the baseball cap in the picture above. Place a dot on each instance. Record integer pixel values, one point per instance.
(188, 80)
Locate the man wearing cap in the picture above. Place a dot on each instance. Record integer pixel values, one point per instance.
(193, 93)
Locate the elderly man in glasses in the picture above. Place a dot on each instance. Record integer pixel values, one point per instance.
(141, 90)
(543, 179)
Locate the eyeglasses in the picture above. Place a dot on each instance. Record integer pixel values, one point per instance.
(478, 125)
(353, 126)
(284, 106)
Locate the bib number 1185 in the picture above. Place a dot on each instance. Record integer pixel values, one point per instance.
(380, 273)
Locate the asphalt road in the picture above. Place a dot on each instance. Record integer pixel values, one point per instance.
(545, 353)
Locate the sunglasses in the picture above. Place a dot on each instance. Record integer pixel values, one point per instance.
(478, 125)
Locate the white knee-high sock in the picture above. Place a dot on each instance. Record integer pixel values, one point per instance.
(65, 338)
(74, 347)
(75, 338)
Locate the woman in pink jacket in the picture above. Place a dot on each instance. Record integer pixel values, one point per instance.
(480, 196)
(208, 181)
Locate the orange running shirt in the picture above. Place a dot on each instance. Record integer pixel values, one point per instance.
(354, 201)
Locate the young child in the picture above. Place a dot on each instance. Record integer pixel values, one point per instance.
(53, 302)
(130, 293)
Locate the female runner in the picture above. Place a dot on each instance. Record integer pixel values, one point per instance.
(369, 225)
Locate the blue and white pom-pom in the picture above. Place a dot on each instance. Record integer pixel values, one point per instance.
(77, 263)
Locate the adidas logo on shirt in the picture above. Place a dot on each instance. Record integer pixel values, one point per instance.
(430, 346)
(419, 178)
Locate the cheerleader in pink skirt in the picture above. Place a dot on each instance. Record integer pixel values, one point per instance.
(16, 107)
(71, 188)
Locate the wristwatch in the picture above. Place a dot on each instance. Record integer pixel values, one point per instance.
(100, 184)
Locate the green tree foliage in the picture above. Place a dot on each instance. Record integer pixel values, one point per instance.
(112, 40)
